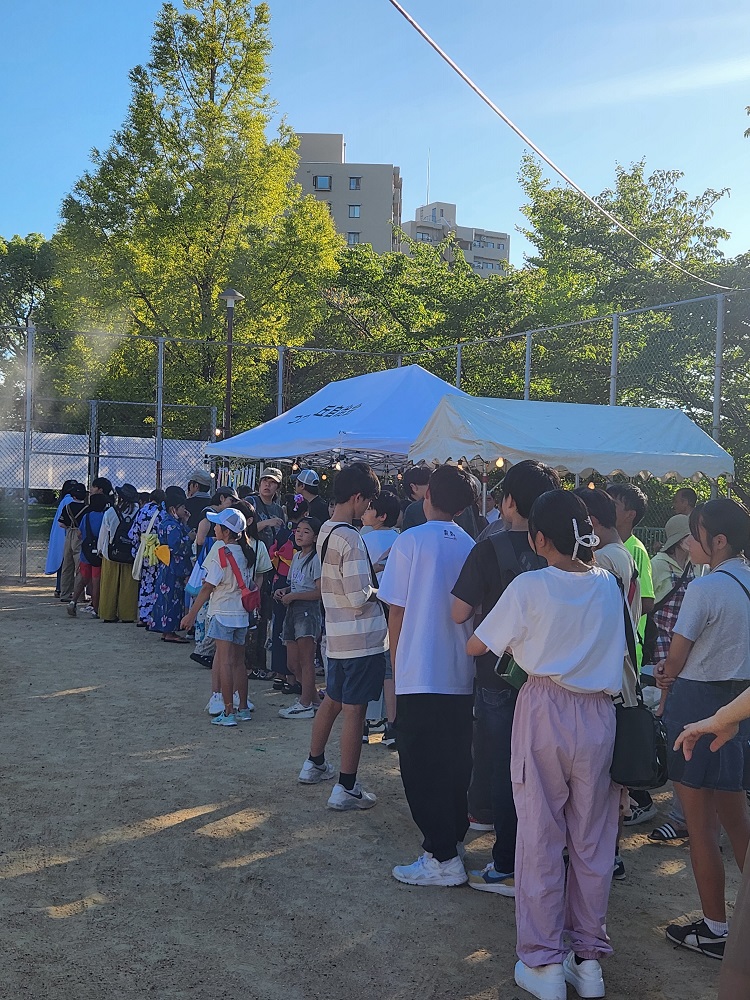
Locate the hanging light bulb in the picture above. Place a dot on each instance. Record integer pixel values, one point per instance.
(337, 466)
(499, 463)
(592, 486)
(324, 476)
(295, 465)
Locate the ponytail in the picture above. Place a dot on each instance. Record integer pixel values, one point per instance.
(247, 550)
(563, 519)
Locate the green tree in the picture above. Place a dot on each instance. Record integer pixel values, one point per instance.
(191, 197)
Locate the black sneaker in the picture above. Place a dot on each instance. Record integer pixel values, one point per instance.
(697, 937)
(389, 736)
(618, 869)
(204, 661)
(291, 688)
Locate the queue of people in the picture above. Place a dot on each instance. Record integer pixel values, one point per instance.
(500, 652)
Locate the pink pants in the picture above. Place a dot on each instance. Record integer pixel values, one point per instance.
(560, 758)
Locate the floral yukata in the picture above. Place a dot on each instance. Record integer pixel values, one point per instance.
(169, 606)
(150, 568)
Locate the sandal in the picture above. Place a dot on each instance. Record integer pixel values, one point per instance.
(260, 675)
(176, 639)
(663, 834)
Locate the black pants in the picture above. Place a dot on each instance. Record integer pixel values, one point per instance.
(434, 747)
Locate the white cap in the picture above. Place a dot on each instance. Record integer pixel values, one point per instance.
(230, 518)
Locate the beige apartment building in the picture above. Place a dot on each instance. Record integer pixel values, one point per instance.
(485, 250)
(364, 198)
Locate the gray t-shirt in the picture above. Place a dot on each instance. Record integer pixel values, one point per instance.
(303, 573)
(715, 615)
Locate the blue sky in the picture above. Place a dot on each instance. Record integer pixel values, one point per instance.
(593, 84)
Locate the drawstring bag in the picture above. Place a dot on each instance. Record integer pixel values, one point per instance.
(250, 595)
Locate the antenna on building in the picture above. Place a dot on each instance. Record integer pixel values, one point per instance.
(428, 176)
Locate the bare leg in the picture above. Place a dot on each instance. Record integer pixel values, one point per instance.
(292, 660)
(389, 692)
(351, 736)
(708, 867)
(239, 673)
(323, 724)
(306, 670)
(224, 658)
(95, 589)
(733, 813)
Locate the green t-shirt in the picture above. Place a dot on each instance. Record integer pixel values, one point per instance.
(643, 564)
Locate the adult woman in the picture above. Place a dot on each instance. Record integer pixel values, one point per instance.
(565, 627)
(118, 600)
(172, 575)
(149, 515)
(707, 666)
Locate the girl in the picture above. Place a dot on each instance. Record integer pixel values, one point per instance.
(172, 576)
(302, 622)
(119, 591)
(224, 497)
(69, 518)
(282, 553)
(149, 514)
(227, 620)
(707, 666)
(90, 563)
(565, 627)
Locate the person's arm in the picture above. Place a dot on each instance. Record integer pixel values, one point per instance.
(724, 725)
(305, 595)
(203, 529)
(203, 595)
(475, 646)
(355, 575)
(668, 671)
(461, 612)
(647, 605)
(395, 622)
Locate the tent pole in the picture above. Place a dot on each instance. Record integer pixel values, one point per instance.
(484, 489)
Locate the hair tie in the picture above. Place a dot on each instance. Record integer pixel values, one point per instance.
(589, 541)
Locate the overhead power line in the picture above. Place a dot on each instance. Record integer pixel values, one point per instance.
(529, 142)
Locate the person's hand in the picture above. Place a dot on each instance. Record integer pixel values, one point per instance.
(276, 522)
(278, 594)
(693, 731)
(187, 622)
(663, 682)
(287, 598)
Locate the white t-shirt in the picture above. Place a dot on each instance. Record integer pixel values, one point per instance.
(378, 542)
(225, 602)
(492, 515)
(419, 575)
(565, 626)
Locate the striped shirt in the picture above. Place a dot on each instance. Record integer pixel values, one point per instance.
(355, 624)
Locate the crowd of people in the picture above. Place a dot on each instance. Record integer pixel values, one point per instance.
(495, 648)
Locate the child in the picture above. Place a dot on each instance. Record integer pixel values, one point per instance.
(172, 575)
(227, 619)
(282, 553)
(565, 627)
(119, 591)
(707, 666)
(302, 622)
(90, 562)
(149, 515)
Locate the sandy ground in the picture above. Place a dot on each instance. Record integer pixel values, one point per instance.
(146, 853)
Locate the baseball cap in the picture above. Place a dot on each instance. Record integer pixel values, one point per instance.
(308, 478)
(230, 518)
(201, 476)
(272, 473)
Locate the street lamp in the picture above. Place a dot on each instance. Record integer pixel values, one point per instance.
(230, 296)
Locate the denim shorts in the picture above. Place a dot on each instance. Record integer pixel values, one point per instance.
(218, 631)
(727, 769)
(302, 620)
(357, 681)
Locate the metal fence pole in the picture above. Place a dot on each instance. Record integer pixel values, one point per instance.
(399, 360)
(160, 411)
(720, 310)
(615, 359)
(280, 381)
(28, 416)
(93, 450)
(458, 366)
(527, 368)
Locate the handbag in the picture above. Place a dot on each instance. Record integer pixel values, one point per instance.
(250, 595)
(639, 759)
(141, 553)
(195, 580)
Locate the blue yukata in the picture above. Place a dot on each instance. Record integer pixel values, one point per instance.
(169, 606)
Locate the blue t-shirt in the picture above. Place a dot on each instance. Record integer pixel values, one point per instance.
(90, 524)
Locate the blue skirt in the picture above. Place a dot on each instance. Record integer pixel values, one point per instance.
(727, 769)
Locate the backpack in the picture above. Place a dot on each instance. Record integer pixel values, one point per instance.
(89, 545)
(121, 548)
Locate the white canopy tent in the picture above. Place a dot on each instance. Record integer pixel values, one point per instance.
(373, 417)
(572, 437)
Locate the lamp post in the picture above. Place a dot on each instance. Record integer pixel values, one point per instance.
(230, 296)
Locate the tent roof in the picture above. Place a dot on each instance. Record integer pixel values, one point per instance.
(376, 414)
(578, 438)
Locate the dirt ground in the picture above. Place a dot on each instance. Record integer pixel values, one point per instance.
(146, 853)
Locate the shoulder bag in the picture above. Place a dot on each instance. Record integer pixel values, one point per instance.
(651, 632)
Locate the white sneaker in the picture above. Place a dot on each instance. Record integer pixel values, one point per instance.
(585, 977)
(546, 982)
(426, 870)
(297, 711)
(215, 704)
(357, 798)
(311, 773)
(236, 702)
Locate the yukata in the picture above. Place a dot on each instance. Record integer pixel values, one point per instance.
(150, 568)
(169, 606)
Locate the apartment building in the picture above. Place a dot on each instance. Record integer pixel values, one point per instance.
(364, 198)
(486, 250)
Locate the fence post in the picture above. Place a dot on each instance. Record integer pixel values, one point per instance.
(716, 423)
(458, 366)
(280, 381)
(28, 417)
(527, 369)
(93, 439)
(399, 360)
(615, 359)
(160, 410)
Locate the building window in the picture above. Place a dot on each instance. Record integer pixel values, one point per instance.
(490, 244)
(355, 183)
(354, 211)
(322, 182)
(352, 239)
(501, 246)
(477, 244)
(424, 237)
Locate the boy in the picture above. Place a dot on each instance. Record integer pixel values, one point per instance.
(492, 564)
(357, 638)
(434, 676)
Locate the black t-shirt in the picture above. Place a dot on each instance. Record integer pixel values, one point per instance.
(196, 504)
(481, 584)
(318, 508)
(70, 514)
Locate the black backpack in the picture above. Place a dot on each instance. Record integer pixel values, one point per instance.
(89, 546)
(121, 548)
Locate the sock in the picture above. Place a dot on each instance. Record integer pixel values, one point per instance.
(347, 780)
(318, 760)
(717, 927)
